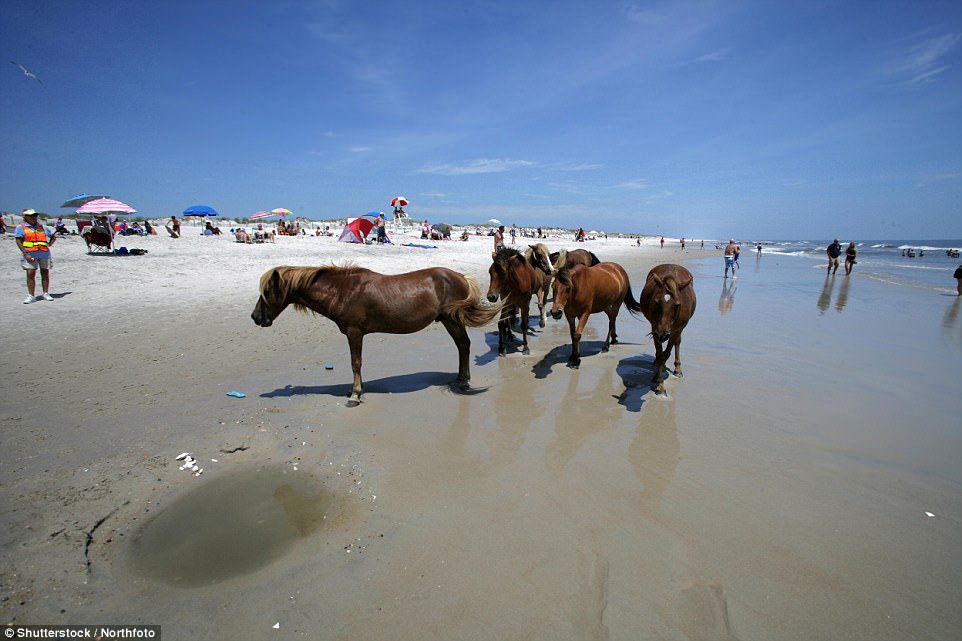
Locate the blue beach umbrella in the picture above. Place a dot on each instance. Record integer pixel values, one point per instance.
(200, 210)
(82, 199)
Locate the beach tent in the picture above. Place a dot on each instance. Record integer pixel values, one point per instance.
(357, 229)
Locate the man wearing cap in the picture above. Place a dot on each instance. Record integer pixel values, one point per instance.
(34, 240)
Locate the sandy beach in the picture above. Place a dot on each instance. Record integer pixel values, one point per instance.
(802, 481)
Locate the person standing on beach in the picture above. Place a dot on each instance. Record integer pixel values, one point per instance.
(514, 233)
(499, 239)
(381, 229)
(34, 240)
(834, 251)
(730, 250)
(738, 251)
(662, 242)
(958, 280)
(850, 253)
(683, 244)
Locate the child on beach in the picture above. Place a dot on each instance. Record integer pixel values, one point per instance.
(850, 253)
(958, 280)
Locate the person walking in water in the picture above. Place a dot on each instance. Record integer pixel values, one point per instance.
(850, 253)
(834, 251)
(34, 240)
(730, 250)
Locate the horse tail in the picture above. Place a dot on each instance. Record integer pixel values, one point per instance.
(470, 311)
(631, 304)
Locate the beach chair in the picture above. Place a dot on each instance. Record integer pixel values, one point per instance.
(82, 224)
(99, 240)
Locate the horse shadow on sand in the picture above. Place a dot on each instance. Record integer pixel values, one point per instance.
(636, 373)
(399, 384)
(512, 344)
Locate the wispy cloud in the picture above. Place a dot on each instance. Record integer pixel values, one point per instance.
(358, 149)
(662, 195)
(478, 166)
(636, 183)
(939, 178)
(714, 56)
(585, 166)
(922, 61)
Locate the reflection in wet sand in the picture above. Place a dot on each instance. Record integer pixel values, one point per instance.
(727, 298)
(952, 314)
(825, 298)
(654, 451)
(583, 414)
(842, 298)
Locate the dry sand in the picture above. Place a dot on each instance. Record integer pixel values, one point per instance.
(780, 491)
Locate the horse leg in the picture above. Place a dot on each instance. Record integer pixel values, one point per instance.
(542, 303)
(355, 340)
(524, 329)
(660, 357)
(463, 341)
(503, 323)
(611, 337)
(676, 339)
(574, 360)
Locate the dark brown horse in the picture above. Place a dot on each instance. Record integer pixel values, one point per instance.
(362, 302)
(515, 279)
(668, 302)
(565, 258)
(580, 291)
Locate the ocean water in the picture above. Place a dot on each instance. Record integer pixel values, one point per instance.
(884, 260)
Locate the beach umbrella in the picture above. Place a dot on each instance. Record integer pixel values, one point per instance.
(399, 201)
(357, 229)
(261, 214)
(494, 221)
(102, 206)
(280, 211)
(82, 199)
(200, 210)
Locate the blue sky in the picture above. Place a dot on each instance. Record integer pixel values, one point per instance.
(759, 120)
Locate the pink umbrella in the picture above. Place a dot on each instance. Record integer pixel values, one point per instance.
(105, 206)
(280, 211)
(261, 214)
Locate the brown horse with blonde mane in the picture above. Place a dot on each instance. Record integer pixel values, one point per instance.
(515, 278)
(361, 301)
(668, 302)
(580, 291)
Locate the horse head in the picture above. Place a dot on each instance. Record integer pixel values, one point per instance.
(273, 298)
(666, 300)
(538, 256)
(561, 292)
(503, 262)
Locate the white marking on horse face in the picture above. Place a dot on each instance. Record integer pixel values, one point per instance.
(667, 297)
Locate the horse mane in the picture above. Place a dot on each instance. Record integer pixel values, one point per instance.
(293, 279)
(563, 275)
(533, 252)
(504, 255)
(562, 258)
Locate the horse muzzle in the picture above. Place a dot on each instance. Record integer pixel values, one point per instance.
(492, 298)
(555, 314)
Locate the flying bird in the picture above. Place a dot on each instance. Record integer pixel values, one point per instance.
(26, 71)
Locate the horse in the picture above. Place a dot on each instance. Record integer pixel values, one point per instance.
(668, 302)
(514, 279)
(361, 301)
(539, 256)
(566, 258)
(580, 291)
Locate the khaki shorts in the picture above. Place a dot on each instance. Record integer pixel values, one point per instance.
(38, 263)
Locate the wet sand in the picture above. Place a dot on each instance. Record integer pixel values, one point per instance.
(779, 491)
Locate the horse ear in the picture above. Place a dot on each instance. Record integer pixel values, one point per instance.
(683, 285)
(658, 279)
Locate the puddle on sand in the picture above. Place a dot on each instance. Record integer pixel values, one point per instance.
(231, 526)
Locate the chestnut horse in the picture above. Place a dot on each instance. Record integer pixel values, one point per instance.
(580, 291)
(361, 302)
(514, 278)
(565, 258)
(668, 302)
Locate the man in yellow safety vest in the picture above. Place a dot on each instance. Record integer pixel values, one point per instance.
(34, 240)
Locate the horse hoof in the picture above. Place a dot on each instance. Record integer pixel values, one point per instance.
(604, 348)
(542, 324)
(574, 364)
(353, 402)
(526, 351)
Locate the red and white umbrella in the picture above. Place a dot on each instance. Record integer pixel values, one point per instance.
(399, 201)
(105, 206)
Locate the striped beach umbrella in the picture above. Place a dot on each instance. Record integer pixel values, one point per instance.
(280, 211)
(261, 214)
(105, 206)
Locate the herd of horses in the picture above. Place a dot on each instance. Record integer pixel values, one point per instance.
(361, 301)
